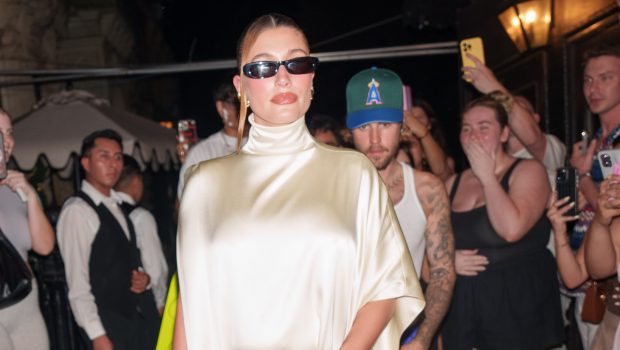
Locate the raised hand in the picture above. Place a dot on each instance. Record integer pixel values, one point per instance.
(608, 200)
(481, 77)
(582, 161)
(17, 182)
(414, 126)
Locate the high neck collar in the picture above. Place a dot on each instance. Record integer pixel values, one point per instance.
(281, 139)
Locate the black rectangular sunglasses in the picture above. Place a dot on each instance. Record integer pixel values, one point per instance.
(267, 69)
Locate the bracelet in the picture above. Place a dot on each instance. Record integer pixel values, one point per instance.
(423, 136)
(509, 103)
(584, 175)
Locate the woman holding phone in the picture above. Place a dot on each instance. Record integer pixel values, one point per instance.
(24, 223)
(506, 292)
(426, 141)
(289, 243)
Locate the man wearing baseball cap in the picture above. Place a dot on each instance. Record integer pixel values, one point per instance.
(375, 116)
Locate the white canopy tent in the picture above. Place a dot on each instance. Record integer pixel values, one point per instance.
(56, 126)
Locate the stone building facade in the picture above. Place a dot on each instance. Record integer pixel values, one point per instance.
(68, 34)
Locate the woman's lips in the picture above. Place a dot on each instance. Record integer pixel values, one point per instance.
(594, 100)
(284, 98)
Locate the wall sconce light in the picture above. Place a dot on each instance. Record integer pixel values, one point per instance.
(528, 23)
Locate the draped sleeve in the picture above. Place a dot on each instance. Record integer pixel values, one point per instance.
(385, 265)
(282, 245)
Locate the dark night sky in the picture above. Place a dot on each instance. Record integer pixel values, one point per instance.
(212, 29)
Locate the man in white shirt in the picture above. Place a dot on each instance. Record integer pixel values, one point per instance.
(221, 143)
(107, 283)
(130, 187)
(375, 117)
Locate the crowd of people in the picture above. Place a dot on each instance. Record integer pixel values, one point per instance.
(492, 257)
(299, 233)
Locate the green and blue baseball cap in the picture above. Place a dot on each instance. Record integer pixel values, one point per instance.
(374, 95)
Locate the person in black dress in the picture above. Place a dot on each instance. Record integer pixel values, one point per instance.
(506, 293)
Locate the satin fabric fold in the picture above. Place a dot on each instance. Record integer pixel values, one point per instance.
(281, 245)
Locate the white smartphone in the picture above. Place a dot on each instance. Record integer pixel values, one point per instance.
(609, 160)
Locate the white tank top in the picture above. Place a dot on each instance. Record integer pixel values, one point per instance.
(412, 219)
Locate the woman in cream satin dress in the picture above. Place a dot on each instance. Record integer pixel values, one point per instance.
(289, 244)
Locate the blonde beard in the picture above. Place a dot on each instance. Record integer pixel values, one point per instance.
(383, 162)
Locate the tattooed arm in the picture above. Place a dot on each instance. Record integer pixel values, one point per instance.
(440, 254)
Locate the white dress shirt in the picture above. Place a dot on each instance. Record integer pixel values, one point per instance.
(76, 230)
(217, 145)
(148, 242)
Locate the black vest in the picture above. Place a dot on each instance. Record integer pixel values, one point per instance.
(113, 257)
(128, 207)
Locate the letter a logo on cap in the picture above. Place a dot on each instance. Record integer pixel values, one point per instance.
(374, 97)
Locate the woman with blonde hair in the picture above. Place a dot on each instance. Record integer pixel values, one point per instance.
(289, 243)
(25, 227)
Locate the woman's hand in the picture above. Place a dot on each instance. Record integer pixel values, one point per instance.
(482, 162)
(413, 125)
(481, 77)
(468, 263)
(182, 151)
(41, 232)
(17, 182)
(580, 160)
(555, 214)
(368, 324)
(608, 201)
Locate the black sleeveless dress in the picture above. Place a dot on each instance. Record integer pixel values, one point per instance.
(515, 302)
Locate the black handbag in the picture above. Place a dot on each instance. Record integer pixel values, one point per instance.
(15, 276)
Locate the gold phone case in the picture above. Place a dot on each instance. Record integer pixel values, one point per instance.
(473, 46)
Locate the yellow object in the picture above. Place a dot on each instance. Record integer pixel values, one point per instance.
(166, 331)
(472, 46)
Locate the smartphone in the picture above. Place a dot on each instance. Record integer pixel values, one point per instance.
(566, 185)
(187, 136)
(406, 98)
(2, 158)
(472, 46)
(610, 162)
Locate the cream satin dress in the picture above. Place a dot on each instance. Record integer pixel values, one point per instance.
(281, 245)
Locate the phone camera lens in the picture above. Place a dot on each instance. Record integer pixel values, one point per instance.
(561, 176)
(606, 160)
